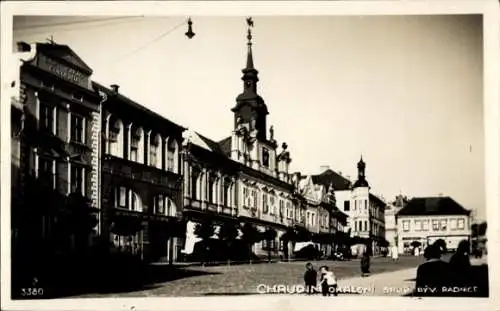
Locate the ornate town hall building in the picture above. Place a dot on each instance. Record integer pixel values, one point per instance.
(243, 179)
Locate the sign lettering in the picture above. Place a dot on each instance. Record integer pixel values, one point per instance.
(63, 71)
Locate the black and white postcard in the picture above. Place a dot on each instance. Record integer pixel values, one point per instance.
(249, 155)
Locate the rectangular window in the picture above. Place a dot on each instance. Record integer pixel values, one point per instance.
(435, 224)
(355, 204)
(461, 224)
(265, 204)
(46, 171)
(425, 225)
(406, 225)
(160, 204)
(347, 206)
(255, 198)
(443, 224)
(366, 226)
(366, 205)
(289, 210)
(77, 179)
(265, 157)
(418, 225)
(121, 197)
(46, 118)
(356, 226)
(453, 224)
(77, 128)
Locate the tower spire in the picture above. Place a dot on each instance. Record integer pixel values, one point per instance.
(249, 44)
(250, 78)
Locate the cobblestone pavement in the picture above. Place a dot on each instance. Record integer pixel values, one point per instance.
(387, 279)
(245, 279)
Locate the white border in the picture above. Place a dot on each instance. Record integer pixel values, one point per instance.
(490, 11)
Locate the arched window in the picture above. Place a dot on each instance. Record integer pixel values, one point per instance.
(212, 188)
(226, 200)
(136, 144)
(128, 199)
(172, 155)
(115, 139)
(155, 154)
(163, 205)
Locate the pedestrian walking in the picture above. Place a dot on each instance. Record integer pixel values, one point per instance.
(328, 282)
(310, 279)
(394, 253)
(365, 264)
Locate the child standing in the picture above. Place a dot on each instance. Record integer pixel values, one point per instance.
(310, 278)
(365, 264)
(328, 282)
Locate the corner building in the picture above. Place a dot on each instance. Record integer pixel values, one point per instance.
(243, 178)
(55, 136)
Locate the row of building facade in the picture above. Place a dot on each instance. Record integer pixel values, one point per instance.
(90, 164)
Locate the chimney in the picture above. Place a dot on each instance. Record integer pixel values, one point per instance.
(324, 168)
(23, 46)
(115, 87)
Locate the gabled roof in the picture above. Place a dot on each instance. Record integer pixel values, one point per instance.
(433, 206)
(64, 53)
(330, 177)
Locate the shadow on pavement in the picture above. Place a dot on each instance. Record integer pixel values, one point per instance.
(66, 280)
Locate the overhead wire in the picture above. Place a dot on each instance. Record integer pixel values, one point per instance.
(44, 25)
(83, 27)
(162, 35)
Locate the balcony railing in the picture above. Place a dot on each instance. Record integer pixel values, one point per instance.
(138, 171)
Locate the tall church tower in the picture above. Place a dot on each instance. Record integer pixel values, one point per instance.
(250, 143)
(250, 110)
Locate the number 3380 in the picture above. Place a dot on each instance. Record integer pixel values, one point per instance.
(32, 291)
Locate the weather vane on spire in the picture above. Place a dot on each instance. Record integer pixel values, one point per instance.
(250, 25)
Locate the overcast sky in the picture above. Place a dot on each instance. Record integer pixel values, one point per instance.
(403, 91)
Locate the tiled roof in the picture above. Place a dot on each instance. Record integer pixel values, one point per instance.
(214, 146)
(128, 101)
(433, 206)
(330, 177)
(225, 146)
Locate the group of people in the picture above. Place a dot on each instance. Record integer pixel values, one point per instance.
(327, 278)
(436, 277)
